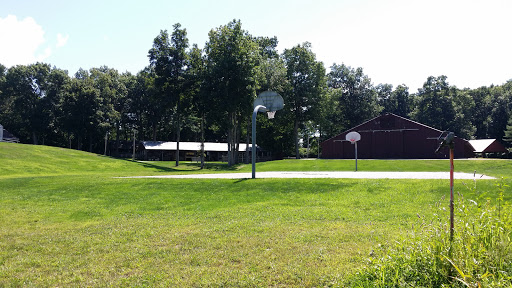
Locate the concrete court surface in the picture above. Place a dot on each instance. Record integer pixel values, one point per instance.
(329, 174)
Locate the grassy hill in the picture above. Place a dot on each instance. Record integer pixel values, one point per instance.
(38, 160)
(67, 222)
(32, 160)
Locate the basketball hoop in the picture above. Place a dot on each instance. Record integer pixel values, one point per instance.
(269, 102)
(353, 137)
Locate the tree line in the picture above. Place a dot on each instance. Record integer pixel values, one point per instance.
(191, 94)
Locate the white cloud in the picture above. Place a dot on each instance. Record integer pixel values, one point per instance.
(62, 40)
(47, 52)
(21, 40)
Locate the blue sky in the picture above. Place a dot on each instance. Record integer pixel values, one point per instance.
(394, 41)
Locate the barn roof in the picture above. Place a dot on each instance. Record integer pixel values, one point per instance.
(391, 136)
(190, 146)
(355, 128)
(487, 146)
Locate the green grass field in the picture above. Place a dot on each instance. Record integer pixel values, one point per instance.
(65, 221)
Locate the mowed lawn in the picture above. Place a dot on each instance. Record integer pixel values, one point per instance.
(66, 221)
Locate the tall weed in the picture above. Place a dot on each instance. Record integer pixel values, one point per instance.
(480, 254)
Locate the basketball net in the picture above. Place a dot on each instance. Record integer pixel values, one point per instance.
(271, 114)
(353, 141)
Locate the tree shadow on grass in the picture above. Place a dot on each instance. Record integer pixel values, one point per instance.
(168, 166)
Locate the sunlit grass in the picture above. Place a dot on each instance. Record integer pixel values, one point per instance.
(70, 223)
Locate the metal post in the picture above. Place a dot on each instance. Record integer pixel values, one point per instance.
(451, 194)
(356, 154)
(253, 149)
(133, 155)
(106, 141)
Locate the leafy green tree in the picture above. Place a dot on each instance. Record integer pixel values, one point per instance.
(179, 62)
(434, 104)
(199, 100)
(481, 111)
(401, 100)
(55, 86)
(354, 94)
(384, 92)
(81, 110)
(332, 119)
(501, 107)
(508, 133)
(395, 101)
(276, 134)
(159, 58)
(29, 96)
(231, 62)
(112, 100)
(307, 82)
(3, 71)
(463, 105)
(169, 58)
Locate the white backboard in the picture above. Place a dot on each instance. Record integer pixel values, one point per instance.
(271, 100)
(353, 137)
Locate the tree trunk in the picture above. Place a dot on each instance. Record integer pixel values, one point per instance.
(236, 142)
(154, 131)
(230, 132)
(202, 141)
(90, 142)
(79, 143)
(178, 128)
(34, 138)
(117, 140)
(231, 139)
(296, 134)
(247, 141)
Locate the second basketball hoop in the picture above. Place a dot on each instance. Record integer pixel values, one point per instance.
(353, 137)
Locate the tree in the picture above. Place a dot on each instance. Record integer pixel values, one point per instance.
(231, 61)
(169, 59)
(198, 96)
(112, 98)
(159, 58)
(276, 134)
(354, 94)
(508, 133)
(29, 96)
(501, 107)
(384, 92)
(481, 111)
(3, 71)
(307, 83)
(395, 101)
(463, 105)
(81, 110)
(434, 104)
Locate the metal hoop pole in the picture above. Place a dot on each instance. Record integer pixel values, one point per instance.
(356, 153)
(253, 149)
(452, 229)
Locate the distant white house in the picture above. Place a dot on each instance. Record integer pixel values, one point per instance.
(5, 136)
(484, 146)
(166, 151)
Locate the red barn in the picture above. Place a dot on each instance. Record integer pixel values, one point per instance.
(390, 136)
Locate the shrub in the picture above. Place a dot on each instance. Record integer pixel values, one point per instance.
(480, 254)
